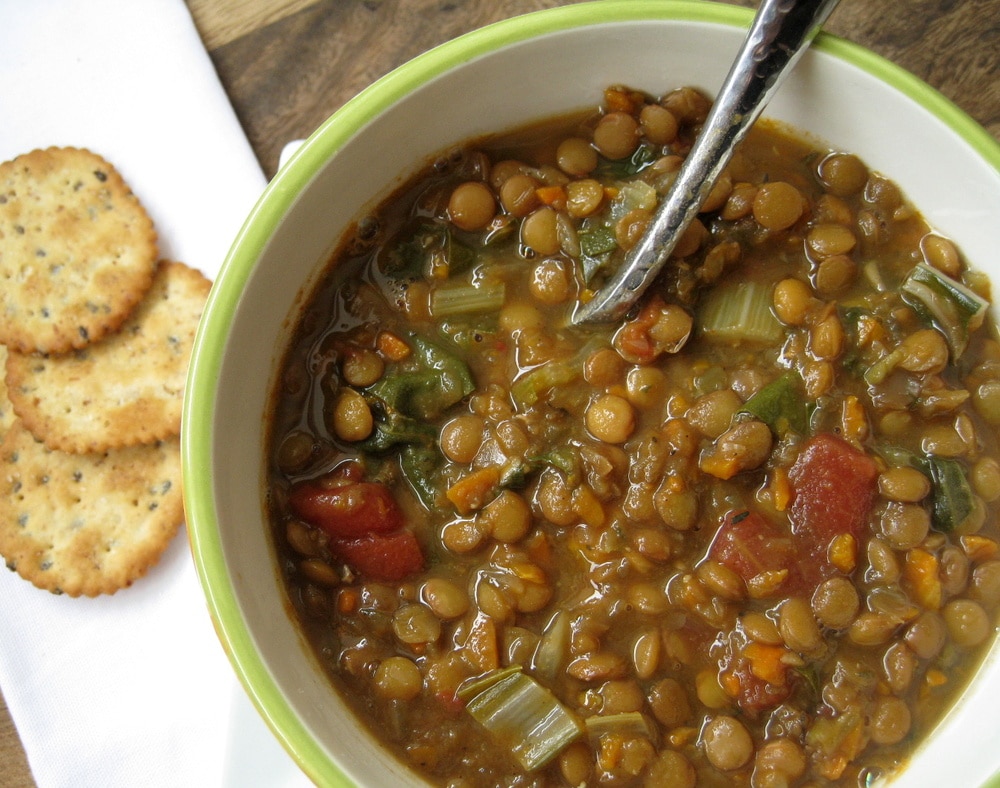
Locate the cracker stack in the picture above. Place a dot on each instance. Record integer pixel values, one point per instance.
(96, 334)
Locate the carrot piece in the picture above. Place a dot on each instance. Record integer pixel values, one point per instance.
(347, 600)
(978, 548)
(616, 100)
(843, 553)
(730, 683)
(588, 506)
(936, 678)
(781, 489)
(480, 648)
(921, 573)
(392, 347)
(470, 492)
(854, 421)
(721, 465)
(766, 662)
(552, 195)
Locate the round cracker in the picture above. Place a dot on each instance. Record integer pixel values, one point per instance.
(77, 250)
(86, 524)
(126, 389)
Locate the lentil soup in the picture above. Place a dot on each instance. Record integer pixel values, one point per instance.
(746, 536)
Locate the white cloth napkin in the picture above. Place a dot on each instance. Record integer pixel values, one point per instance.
(132, 689)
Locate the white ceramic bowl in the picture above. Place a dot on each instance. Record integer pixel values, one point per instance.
(487, 81)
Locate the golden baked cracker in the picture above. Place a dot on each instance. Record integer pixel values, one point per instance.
(86, 524)
(125, 389)
(77, 250)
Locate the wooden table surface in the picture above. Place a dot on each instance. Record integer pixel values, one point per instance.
(288, 64)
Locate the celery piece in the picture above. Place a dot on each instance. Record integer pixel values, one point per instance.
(474, 686)
(525, 717)
(530, 387)
(739, 312)
(781, 405)
(552, 652)
(945, 304)
(631, 723)
(881, 369)
(465, 298)
(632, 196)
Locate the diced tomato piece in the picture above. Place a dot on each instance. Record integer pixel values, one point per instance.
(833, 486)
(753, 693)
(347, 512)
(388, 557)
(749, 544)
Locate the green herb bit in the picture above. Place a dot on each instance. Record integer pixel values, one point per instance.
(828, 734)
(465, 298)
(564, 458)
(952, 499)
(393, 428)
(453, 378)
(781, 405)
(739, 312)
(431, 247)
(945, 304)
(597, 240)
(619, 169)
(525, 717)
(420, 465)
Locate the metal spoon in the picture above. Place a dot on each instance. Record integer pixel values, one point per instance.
(781, 32)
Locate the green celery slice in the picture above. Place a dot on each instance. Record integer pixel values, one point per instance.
(739, 312)
(633, 723)
(463, 298)
(525, 717)
(945, 304)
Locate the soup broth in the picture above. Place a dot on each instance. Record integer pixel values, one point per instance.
(745, 536)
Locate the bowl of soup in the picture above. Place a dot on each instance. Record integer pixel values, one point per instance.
(745, 535)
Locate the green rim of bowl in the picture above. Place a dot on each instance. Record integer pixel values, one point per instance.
(207, 356)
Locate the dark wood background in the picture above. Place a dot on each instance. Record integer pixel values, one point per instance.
(288, 64)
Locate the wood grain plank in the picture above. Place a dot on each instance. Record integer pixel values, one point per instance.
(14, 771)
(287, 77)
(222, 21)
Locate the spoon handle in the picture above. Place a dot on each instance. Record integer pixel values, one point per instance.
(781, 31)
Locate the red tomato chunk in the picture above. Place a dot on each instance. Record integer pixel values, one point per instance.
(833, 486)
(365, 525)
(749, 545)
(382, 556)
(349, 511)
